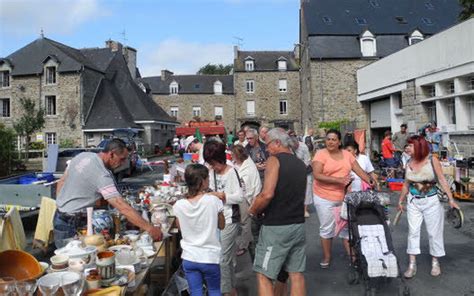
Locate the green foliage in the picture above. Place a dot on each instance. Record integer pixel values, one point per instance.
(327, 125)
(218, 69)
(37, 146)
(7, 138)
(467, 9)
(30, 122)
(66, 143)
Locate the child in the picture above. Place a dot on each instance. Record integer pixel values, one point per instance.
(199, 217)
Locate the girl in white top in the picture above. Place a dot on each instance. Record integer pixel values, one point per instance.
(364, 163)
(199, 217)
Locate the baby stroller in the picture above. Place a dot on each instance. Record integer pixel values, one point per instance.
(371, 244)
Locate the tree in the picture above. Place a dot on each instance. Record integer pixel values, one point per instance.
(7, 137)
(467, 9)
(31, 121)
(216, 69)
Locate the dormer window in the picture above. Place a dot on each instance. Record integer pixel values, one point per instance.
(50, 77)
(368, 45)
(174, 88)
(415, 37)
(218, 88)
(4, 79)
(249, 64)
(282, 64)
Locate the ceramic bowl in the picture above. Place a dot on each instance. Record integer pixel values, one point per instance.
(59, 261)
(20, 265)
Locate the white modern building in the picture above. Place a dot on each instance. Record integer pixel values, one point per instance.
(431, 80)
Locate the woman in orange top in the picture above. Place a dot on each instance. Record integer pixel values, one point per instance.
(332, 167)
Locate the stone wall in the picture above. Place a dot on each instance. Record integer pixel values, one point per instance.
(66, 124)
(207, 102)
(267, 98)
(333, 87)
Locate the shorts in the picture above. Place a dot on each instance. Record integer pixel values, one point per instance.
(327, 222)
(280, 247)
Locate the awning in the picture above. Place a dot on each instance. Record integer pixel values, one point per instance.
(205, 130)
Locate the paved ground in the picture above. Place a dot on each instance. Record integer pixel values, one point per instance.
(457, 266)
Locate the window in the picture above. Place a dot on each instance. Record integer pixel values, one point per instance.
(471, 82)
(219, 112)
(249, 65)
(431, 111)
(429, 90)
(451, 113)
(282, 85)
(251, 108)
(361, 21)
(374, 3)
(429, 5)
(249, 86)
(283, 107)
(50, 105)
(415, 37)
(196, 111)
(368, 46)
(401, 20)
(282, 65)
(4, 107)
(174, 88)
(427, 21)
(4, 78)
(327, 20)
(174, 112)
(51, 138)
(218, 88)
(50, 75)
(197, 86)
(451, 87)
(470, 103)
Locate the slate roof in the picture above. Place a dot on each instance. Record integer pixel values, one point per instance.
(380, 18)
(29, 59)
(333, 27)
(265, 60)
(120, 102)
(189, 84)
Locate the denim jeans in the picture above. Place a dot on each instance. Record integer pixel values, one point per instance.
(65, 227)
(195, 272)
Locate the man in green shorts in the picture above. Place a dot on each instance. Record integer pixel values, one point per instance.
(281, 244)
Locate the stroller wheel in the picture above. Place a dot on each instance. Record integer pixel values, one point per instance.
(353, 277)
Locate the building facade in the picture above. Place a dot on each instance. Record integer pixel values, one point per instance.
(85, 94)
(432, 80)
(267, 89)
(336, 39)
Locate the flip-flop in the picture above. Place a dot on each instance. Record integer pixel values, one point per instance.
(324, 265)
(240, 252)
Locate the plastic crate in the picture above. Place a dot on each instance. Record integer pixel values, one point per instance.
(395, 186)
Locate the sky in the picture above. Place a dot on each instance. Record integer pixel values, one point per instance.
(178, 35)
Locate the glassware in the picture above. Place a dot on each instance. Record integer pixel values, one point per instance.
(49, 285)
(72, 284)
(7, 286)
(26, 287)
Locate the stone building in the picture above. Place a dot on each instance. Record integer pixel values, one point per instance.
(430, 81)
(337, 38)
(267, 89)
(190, 97)
(85, 93)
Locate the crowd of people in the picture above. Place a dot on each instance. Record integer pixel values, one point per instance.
(261, 198)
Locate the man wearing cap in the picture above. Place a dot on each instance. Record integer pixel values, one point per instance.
(87, 179)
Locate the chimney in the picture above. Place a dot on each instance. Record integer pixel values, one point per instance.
(113, 45)
(236, 51)
(296, 51)
(130, 55)
(165, 74)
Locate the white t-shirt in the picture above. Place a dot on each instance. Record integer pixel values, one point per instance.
(366, 165)
(198, 223)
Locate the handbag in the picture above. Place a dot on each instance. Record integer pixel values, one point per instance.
(442, 196)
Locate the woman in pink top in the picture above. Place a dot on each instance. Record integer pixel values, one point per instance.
(332, 167)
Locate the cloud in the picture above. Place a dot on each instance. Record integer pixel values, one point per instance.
(19, 17)
(182, 57)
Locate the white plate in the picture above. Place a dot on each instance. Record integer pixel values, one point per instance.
(119, 247)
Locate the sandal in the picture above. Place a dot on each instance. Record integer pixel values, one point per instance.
(324, 265)
(411, 271)
(435, 268)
